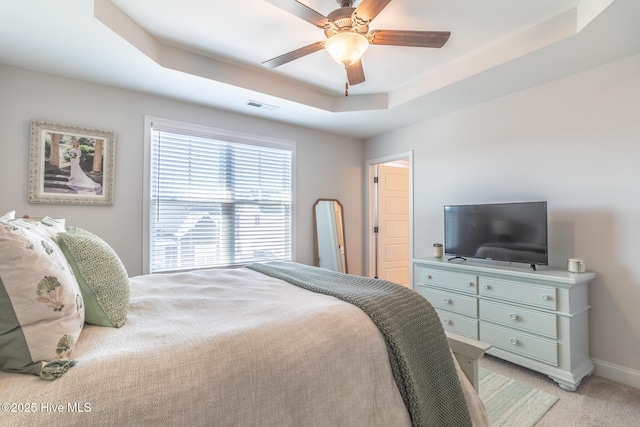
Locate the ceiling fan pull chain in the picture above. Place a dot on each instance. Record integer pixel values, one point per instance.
(346, 83)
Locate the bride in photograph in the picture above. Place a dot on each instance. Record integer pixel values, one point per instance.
(78, 180)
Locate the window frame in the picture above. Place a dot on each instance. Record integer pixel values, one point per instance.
(214, 133)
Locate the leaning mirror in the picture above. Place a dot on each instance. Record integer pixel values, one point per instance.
(328, 228)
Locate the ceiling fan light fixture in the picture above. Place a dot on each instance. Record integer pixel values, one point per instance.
(346, 47)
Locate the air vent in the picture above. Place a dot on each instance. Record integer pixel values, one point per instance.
(262, 105)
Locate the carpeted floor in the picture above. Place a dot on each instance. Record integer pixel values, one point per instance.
(598, 402)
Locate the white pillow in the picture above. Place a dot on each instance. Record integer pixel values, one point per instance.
(41, 306)
(9, 215)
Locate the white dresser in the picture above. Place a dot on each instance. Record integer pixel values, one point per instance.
(537, 319)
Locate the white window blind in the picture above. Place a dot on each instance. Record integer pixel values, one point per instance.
(217, 199)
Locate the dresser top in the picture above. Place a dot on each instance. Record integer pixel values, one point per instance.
(542, 273)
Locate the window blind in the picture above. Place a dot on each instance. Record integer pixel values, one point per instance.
(217, 199)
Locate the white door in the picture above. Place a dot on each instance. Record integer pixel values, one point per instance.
(393, 224)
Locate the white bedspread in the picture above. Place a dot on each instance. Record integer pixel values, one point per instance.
(220, 348)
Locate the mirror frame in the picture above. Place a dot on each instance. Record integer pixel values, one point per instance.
(315, 233)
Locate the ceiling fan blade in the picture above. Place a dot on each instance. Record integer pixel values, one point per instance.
(355, 73)
(369, 9)
(301, 11)
(294, 54)
(409, 38)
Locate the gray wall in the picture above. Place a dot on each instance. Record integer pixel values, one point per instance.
(574, 142)
(27, 95)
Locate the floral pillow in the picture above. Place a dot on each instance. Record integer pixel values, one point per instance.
(41, 306)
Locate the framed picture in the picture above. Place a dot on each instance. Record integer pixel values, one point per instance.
(71, 165)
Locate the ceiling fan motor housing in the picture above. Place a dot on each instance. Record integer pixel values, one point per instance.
(342, 20)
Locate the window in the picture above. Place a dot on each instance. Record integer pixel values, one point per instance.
(216, 198)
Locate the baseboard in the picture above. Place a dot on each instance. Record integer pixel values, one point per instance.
(617, 373)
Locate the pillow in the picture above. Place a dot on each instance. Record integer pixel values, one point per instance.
(41, 306)
(102, 277)
(50, 226)
(54, 224)
(9, 215)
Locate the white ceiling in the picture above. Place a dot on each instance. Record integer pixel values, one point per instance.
(210, 52)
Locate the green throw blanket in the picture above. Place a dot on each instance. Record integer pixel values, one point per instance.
(420, 358)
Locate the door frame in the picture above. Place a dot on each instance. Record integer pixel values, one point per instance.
(370, 204)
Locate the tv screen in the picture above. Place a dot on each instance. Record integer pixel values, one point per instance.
(514, 232)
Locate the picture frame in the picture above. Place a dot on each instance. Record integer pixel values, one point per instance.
(71, 165)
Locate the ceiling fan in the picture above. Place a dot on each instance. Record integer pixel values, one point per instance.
(348, 35)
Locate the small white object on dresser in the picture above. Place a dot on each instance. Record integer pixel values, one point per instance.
(537, 319)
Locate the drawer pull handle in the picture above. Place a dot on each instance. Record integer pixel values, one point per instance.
(429, 276)
(513, 316)
(513, 341)
(469, 283)
(485, 286)
(447, 321)
(545, 297)
(447, 301)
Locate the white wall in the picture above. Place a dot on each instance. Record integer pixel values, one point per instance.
(327, 165)
(574, 142)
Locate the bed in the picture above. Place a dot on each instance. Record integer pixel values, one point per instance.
(234, 347)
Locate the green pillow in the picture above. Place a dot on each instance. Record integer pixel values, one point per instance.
(41, 308)
(102, 277)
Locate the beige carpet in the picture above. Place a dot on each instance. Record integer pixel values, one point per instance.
(598, 402)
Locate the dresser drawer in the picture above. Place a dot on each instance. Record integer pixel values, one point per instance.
(539, 296)
(458, 324)
(520, 318)
(450, 301)
(521, 343)
(467, 283)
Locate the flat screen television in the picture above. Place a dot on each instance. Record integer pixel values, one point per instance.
(513, 232)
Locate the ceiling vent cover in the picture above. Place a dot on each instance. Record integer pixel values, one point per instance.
(262, 105)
